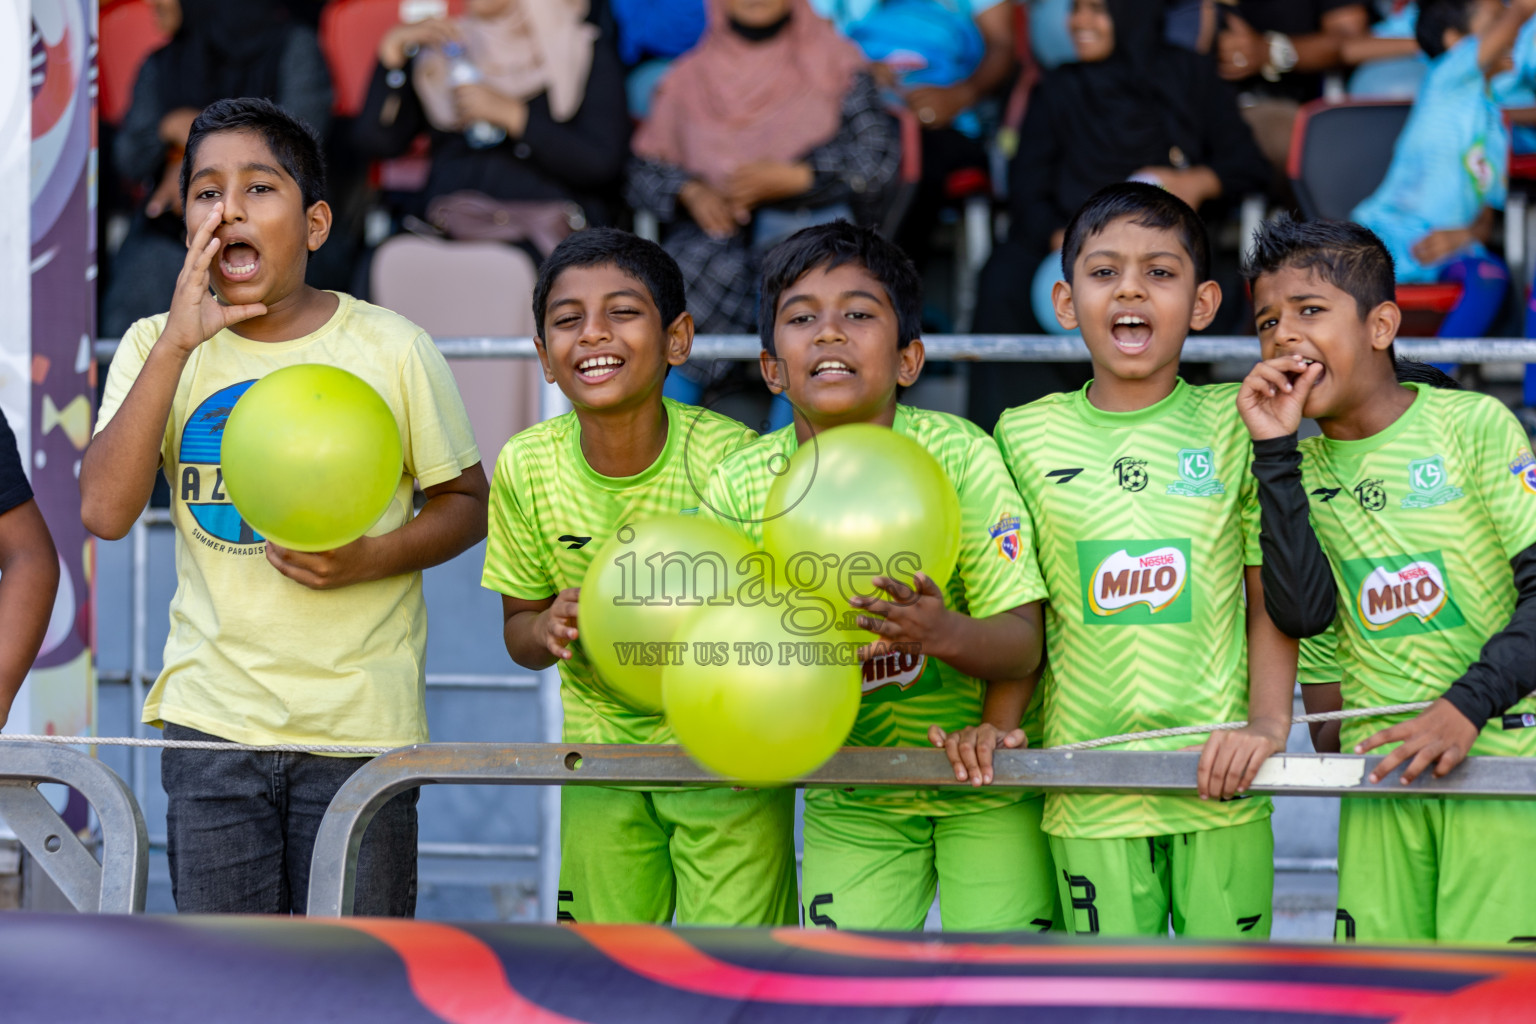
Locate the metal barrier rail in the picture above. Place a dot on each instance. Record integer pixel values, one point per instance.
(117, 884)
(333, 869)
(1040, 348)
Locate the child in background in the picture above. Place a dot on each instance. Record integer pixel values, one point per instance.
(268, 645)
(1147, 526)
(839, 325)
(611, 322)
(29, 573)
(1424, 502)
(1449, 171)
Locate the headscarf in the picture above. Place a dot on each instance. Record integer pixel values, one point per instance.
(536, 46)
(1125, 106)
(728, 101)
(223, 48)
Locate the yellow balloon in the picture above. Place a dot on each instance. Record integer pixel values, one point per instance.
(755, 702)
(643, 583)
(311, 457)
(856, 502)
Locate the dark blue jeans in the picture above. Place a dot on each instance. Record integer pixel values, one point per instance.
(241, 828)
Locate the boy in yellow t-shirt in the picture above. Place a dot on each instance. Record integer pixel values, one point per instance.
(269, 645)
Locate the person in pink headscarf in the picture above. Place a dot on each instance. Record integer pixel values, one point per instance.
(769, 124)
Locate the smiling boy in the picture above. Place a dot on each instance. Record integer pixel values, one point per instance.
(266, 645)
(1424, 501)
(609, 310)
(839, 325)
(1147, 525)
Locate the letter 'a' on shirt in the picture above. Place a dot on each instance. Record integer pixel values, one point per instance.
(551, 512)
(253, 656)
(1144, 523)
(996, 571)
(1420, 522)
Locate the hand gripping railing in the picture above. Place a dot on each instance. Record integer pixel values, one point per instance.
(333, 871)
(116, 885)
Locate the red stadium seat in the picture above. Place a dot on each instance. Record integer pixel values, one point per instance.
(1339, 154)
(129, 34)
(350, 31)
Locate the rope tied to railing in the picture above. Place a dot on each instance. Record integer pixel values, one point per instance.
(334, 748)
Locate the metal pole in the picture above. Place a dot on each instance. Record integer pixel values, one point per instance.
(117, 886)
(549, 800)
(334, 867)
(138, 667)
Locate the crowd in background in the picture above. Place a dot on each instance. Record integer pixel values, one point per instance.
(725, 125)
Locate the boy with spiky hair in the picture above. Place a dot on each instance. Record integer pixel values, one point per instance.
(1147, 525)
(609, 310)
(839, 320)
(267, 645)
(1424, 501)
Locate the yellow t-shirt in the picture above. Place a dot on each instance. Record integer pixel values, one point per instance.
(253, 656)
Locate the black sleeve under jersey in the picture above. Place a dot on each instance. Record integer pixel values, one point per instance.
(1505, 673)
(1299, 591)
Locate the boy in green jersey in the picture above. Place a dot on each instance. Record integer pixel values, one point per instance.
(1147, 526)
(1424, 501)
(611, 320)
(839, 323)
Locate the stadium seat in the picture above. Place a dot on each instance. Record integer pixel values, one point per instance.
(1339, 154)
(128, 34)
(469, 289)
(350, 31)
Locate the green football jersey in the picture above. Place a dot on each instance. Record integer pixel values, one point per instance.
(1317, 658)
(904, 694)
(1420, 522)
(1144, 522)
(550, 511)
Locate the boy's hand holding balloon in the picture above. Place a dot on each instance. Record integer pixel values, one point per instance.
(556, 625)
(910, 616)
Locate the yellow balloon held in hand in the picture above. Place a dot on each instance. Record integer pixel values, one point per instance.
(855, 502)
(756, 703)
(311, 457)
(642, 585)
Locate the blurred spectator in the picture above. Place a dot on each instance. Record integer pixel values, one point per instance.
(1049, 38)
(944, 58)
(218, 49)
(1434, 209)
(1275, 51)
(1132, 106)
(651, 34)
(769, 125)
(523, 102)
(1388, 63)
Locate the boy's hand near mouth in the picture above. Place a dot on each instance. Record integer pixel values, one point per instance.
(1274, 393)
(196, 313)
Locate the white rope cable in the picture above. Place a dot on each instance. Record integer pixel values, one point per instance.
(320, 748)
(1196, 730)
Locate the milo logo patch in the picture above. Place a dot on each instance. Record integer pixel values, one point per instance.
(1402, 594)
(1131, 582)
(895, 675)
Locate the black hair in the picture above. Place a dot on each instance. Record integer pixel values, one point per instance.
(1435, 17)
(643, 260)
(292, 142)
(1147, 206)
(827, 247)
(1345, 254)
(1411, 371)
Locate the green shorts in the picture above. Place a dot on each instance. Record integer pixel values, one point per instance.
(1214, 884)
(1436, 869)
(715, 856)
(871, 869)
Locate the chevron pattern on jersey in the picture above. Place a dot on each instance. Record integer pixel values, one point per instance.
(550, 512)
(1143, 549)
(983, 578)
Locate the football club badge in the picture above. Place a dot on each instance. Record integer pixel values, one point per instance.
(1428, 484)
(1524, 469)
(1006, 532)
(1197, 474)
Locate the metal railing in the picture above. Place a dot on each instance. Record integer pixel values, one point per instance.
(117, 884)
(333, 869)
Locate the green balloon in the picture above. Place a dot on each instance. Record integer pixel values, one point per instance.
(755, 702)
(643, 584)
(311, 457)
(859, 501)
